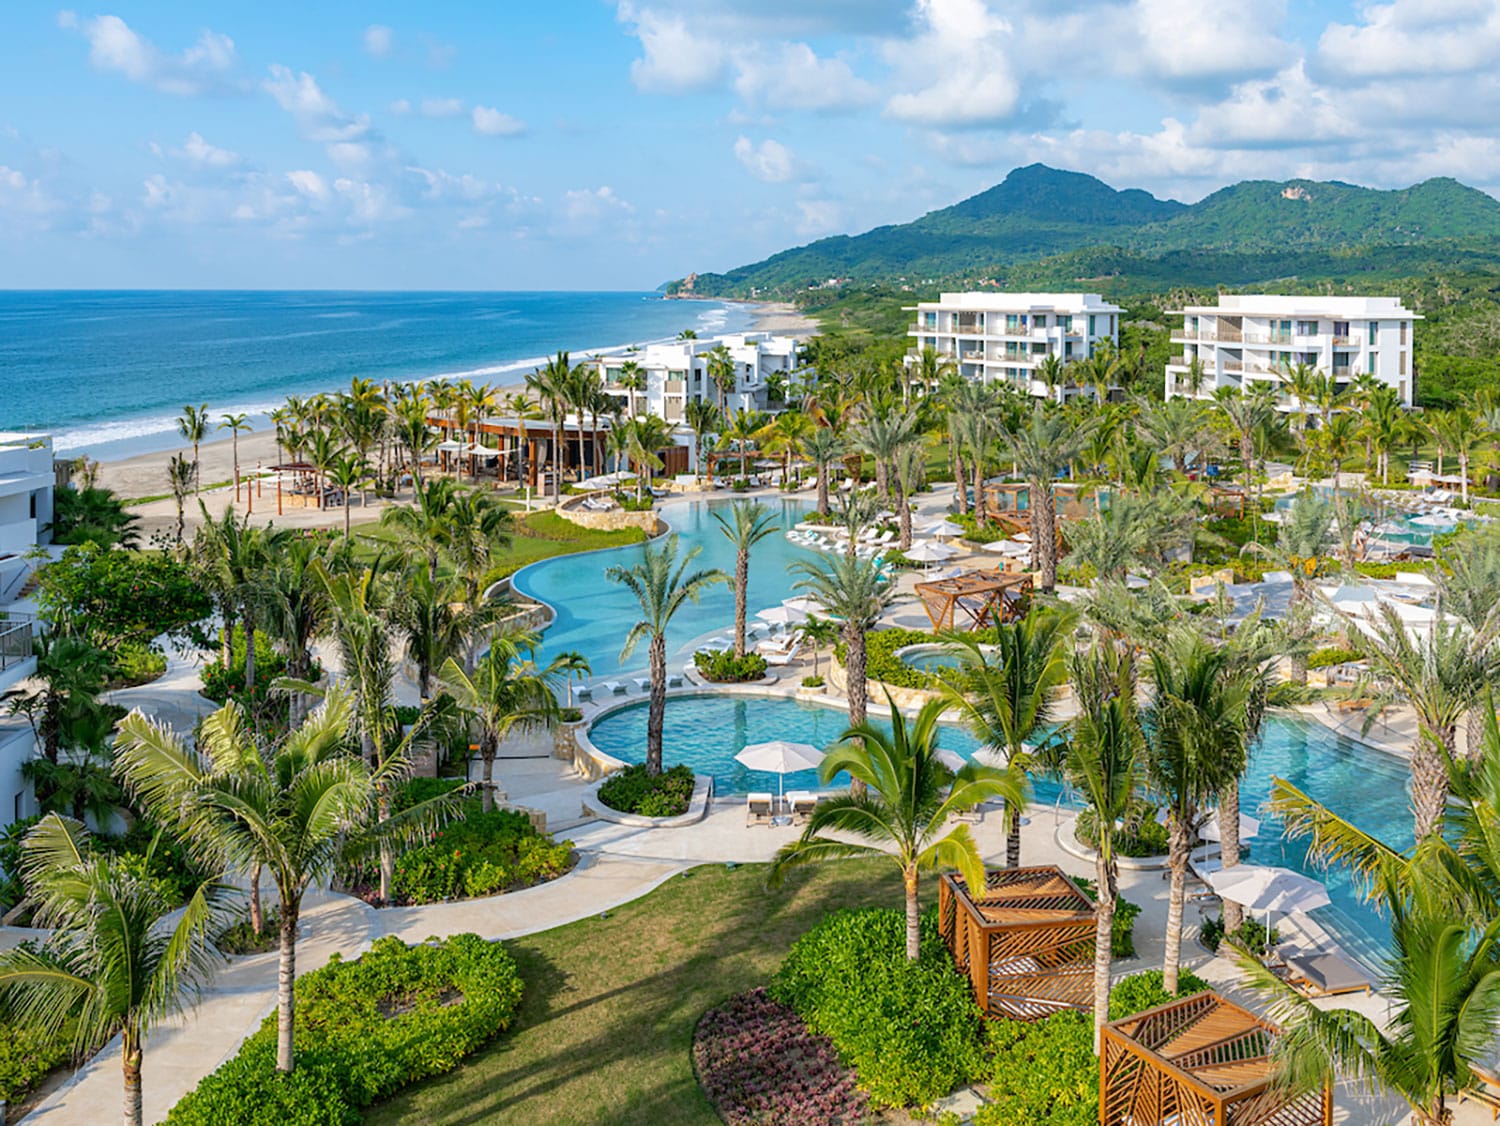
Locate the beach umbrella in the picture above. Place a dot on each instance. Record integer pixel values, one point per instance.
(781, 616)
(943, 529)
(781, 758)
(802, 604)
(931, 553)
(1264, 888)
(951, 759)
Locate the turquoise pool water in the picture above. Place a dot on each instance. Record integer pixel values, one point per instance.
(929, 658)
(1401, 527)
(594, 614)
(1355, 781)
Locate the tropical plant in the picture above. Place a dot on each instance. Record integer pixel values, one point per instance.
(851, 590)
(662, 585)
(193, 425)
(1042, 448)
(902, 809)
(92, 514)
(825, 449)
(116, 959)
(749, 523)
(236, 424)
(702, 418)
(182, 475)
(719, 366)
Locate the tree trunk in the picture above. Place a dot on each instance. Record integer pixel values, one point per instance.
(961, 494)
(882, 480)
(226, 640)
(1429, 785)
(823, 489)
(1229, 846)
(978, 489)
(903, 517)
(557, 464)
(286, 977)
(249, 657)
(913, 916)
(487, 779)
(656, 716)
(130, 1059)
(257, 915)
(741, 591)
(1044, 534)
(858, 688)
(387, 856)
(1012, 835)
(1104, 923)
(1177, 858)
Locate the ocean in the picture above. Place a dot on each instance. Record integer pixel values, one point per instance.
(107, 373)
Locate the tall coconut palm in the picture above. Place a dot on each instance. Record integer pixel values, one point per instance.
(182, 475)
(880, 435)
(852, 590)
(855, 510)
(1006, 692)
(414, 436)
(348, 473)
(1460, 432)
(478, 528)
(1042, 448)
(632, 378)
(118, 959)
(435, 623)
(236, 424)
(1246, 414)
(506, 693)
(825, 449)
(901, 805)
(662, 585)
(719, 366)
(233, 557)
(293, 808)
(295, 604)
(1104, 760)
(193, 425)
(744, 428)
(552, 384)
(907, 475)
(425, 525)
(749, 522)
(702, 418)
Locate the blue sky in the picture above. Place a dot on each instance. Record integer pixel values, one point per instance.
(589, 144)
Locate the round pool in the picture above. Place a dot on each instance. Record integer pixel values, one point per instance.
(930, 657)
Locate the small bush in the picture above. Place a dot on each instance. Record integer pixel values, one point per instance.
(135, 663)
(365, 1030)
(629, 503)
(1122, 929)
(722, 667)
(1148, 837)
(758, 1063)
(632, 790)
(570, 715)
(911, 1030)
(482, 854)
(1326, 658)
(1250, 934)
(881, 662)
(28, 1055)
(812, 682)
(220, 683)
(1142, 991)
(242, 938)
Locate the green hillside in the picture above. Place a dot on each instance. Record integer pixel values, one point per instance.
(1041, 225)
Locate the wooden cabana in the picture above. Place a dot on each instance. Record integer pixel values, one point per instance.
(1198, 1059)
(1026, 943)
(1223, 501)
(975, 599)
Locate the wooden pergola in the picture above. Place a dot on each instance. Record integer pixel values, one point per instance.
(982, 597)
(1200, 1060)
(1026, 942)
(1224, 501)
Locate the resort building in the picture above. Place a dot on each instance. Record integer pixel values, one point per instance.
(26, 483)
(678, 371)
(995, 337)
(1261, 337)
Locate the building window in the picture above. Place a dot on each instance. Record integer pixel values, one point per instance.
(930, 320)
(1307, 328)
(1040, 320)
(1091, 324)
(1374, 331)
(1403, 334)
(1401, 363)
(1370, 363)
(1066, 322)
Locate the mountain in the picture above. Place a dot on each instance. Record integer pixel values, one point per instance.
(1041, 220)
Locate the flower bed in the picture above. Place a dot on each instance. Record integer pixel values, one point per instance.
(1147, 837)
(758, 1063)
(722, 667)
(632, 790)
(365, 1029)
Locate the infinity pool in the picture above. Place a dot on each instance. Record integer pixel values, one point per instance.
(594, 614)
(1358, 782)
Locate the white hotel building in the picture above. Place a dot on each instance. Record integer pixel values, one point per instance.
(1258, 338)
(26, 486)
(677, 371)
(994, 337)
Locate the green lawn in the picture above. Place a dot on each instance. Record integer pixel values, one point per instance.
(537, 536)
(606, 1023)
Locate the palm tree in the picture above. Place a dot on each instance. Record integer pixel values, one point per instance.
(901, 803)
(632, 378)
(1197, 742)
(1460, 432)
(346, 474)
(116, 960)
(507, 692)
(415, 436)
(908, 473)
(1246, 414)
(881, 435)
(852, 590)
(552, 386)
(478, 527)
(424, 526)
(181, 476)
(856, 510)
(749, 523)
(1381, 428)
(291, 808)
(744, 427)
(1006, 693)
(719, 366)
(824, 448)
(662, 585)
(233, 557)
(192, 424)
(702, 418)
(1041, 449)
(235, 424)
(1104, 761)
(1052, 374)
(294, 600)
(435, 622)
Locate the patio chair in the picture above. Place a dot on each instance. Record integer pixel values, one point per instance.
(614, 687)
(759, 809)
(783, 658)
(643, 683)
(674, 680)
(1323, 973)
(1487, 1092)
(584, 692)
(801, 803)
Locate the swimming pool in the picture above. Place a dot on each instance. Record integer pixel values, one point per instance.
(1394, 526)
(928, 658)
(1355, 781)
(593, 615)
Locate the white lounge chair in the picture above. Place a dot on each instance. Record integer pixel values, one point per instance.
(614, 687)
(674, 680)
(776, 660)
(759, 809)
(800, 804)
(584, 692)
(643, 683)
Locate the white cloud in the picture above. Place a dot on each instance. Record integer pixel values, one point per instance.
(207, 67)
(770, 161)
(378, 41)
(309, 184)
(347, 139)
(197, 151)
(442, 107)
(957, 72)
(674, 59)
(401, 107)
(1407, 38)
(792, 76)
(1188, 40)
(492, 123)
(1288, 110)
(587, 211)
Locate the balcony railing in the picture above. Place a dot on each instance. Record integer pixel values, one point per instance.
(967, 330)
(1343, 342)
(1268, 338)
(15, 640)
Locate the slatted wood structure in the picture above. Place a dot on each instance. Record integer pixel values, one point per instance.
(1225, 501)
(1026, 942)
(975, 599)
(1198, 1061)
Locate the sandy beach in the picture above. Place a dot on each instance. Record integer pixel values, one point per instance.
(145, 475)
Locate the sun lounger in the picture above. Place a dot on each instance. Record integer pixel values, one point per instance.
(801, 803)
(584, 692)
(778, 659)
(759, 809)
(643, 683)
(674, 680)
(1324, 973)
(1487, 1091)
(614, 687)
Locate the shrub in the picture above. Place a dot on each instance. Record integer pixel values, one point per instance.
(632, 790)
(910, 1030)
(1148, 837)
(1251, 934)
(115, 595)
(722, 667)
(242, 938)
(28, 1055)
(881, 662)
(1122, 930)
(812, 682)
(221, 683)
(629, 503)
(758, 1063)
(975, 532)
(1046, 1070)
(1326, 658)
(365, 1029)
(135, 663)
(481, 854)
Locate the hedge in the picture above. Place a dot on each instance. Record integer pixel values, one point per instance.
(1148, 838)
(911, 1030)
(28, 1055)
(365, 1029)
(632, 790)
(722, 667)
(881, 662)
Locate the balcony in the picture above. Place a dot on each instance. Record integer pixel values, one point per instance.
(15, 641)
(967, 330)
(1343, 342)
(1268, 338)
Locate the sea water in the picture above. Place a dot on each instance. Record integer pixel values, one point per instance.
(108, 373)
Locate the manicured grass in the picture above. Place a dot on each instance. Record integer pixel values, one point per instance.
(540, 535)
(605, 1028)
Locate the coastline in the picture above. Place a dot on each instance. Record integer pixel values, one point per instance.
(145, 473)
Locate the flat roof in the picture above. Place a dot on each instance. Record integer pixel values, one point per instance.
(1003, 302)
(1307, 305)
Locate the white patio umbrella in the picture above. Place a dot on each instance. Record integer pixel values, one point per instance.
(943, 529)
(781, 616)
(802, 604)
(1257, 887)
(951, 759)
(780, 757)
(927, 552)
